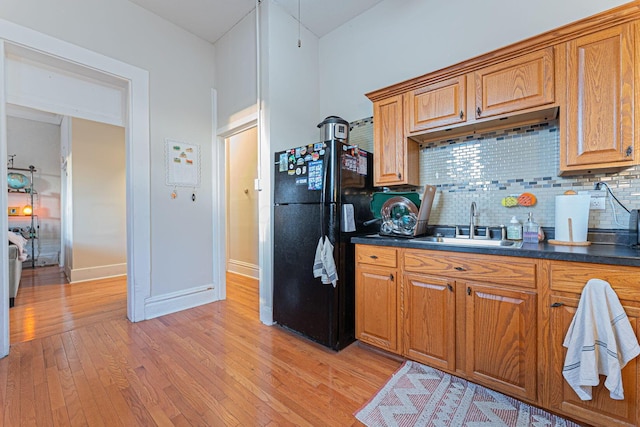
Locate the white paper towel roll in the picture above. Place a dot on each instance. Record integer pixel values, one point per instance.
(576, 208)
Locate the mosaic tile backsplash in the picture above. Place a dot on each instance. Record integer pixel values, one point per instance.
(489, 167)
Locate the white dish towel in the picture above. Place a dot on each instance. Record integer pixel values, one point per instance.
(324, 265)
(600, 341)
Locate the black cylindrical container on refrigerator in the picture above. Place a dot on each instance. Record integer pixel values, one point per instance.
(320, 189)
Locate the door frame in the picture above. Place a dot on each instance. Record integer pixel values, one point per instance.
(263, 185)
(138, 192)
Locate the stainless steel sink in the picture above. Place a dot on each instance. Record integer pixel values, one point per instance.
(456, 241)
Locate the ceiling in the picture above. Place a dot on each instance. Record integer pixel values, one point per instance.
(211, 19)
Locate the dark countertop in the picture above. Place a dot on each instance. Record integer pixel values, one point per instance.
(594, 253)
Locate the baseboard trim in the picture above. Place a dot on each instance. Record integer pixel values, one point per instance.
(178, 301)
(243, 268)
(77, 275)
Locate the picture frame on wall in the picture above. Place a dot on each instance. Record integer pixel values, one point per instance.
(14, 210)
(182, 162)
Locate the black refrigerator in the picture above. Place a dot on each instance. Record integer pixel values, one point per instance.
(319, 189)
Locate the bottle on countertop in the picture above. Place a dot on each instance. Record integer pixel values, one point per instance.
(514, 229)
(530, 230)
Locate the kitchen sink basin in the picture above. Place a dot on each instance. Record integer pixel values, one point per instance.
(470, 242)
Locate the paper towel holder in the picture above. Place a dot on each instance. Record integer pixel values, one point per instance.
(577, 215)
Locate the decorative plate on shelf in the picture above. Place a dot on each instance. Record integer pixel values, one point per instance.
(17, 181)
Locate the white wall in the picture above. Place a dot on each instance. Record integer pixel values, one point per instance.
(37, 143)
(181, 77)
(293, 82)
(236, 72)
(99, 203)
(401, 39)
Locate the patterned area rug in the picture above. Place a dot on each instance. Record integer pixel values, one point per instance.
(418, 395)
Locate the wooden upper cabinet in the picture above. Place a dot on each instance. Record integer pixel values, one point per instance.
(597, 130)
(518, 84)
(395, 159)
(435, 105)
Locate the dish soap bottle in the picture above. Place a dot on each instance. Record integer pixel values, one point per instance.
(530, 230)
(514, 229)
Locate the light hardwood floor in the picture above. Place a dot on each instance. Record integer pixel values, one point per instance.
(213, 365)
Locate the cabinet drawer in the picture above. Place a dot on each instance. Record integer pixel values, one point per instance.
(376, 255)
(572, 276)
(486, 268)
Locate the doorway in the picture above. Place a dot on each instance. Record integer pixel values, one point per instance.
(242, 215)
(242, 203)
(21, 47)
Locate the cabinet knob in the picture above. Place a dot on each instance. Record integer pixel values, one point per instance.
(461, 114)
(460, 268)
(478, 112)
(468, 290)
(450, 288)
(399, 175)
(373, 256)
(391, 277)
(629, 151)
(557, 304)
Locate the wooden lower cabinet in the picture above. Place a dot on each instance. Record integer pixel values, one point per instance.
(601, 410)
(377, 295)
(429, 325)
(495, 320)
(566, 280)
(500, 338)
(457, 319)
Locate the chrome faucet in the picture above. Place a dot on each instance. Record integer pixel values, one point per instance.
(472, 220)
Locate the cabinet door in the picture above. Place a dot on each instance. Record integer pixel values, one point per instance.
(518, 84)
(601, 410)
(395, 160)
(388, 139)
(429, 326)
(377, 307)
(439, 104)
(599, 105)
(501, 339)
